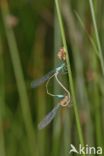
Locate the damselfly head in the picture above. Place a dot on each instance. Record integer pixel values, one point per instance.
(61, 54)
(65, 101)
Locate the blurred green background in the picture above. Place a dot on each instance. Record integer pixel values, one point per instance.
(30, 38)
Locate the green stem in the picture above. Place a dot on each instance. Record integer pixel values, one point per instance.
(69, 74)
(19, 78)
(2, 103)
(97, 35)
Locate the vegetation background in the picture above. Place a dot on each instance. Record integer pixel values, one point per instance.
(30, 38)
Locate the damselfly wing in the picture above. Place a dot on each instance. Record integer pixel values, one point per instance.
(49, 117)
(40, 81)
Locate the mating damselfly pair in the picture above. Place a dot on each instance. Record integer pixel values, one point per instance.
(65, 100)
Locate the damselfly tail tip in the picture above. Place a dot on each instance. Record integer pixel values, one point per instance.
(40, 127)
(33, 85)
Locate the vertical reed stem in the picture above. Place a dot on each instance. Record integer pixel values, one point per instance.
(19, 78)
(69, 73)
(97, 35)
(2, 103)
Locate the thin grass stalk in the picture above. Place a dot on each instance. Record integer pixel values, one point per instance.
(13, 143)
(2, 103)
(89, 37)
(97, 36)
(78, 48)
(60, 125)
(56, 123)
(19, 79)
(96, 92)
(40, 100)
(69, 74)
(2, 146)
(96, 101)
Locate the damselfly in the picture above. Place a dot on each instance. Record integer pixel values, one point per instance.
(49, 117)
(40, 81)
